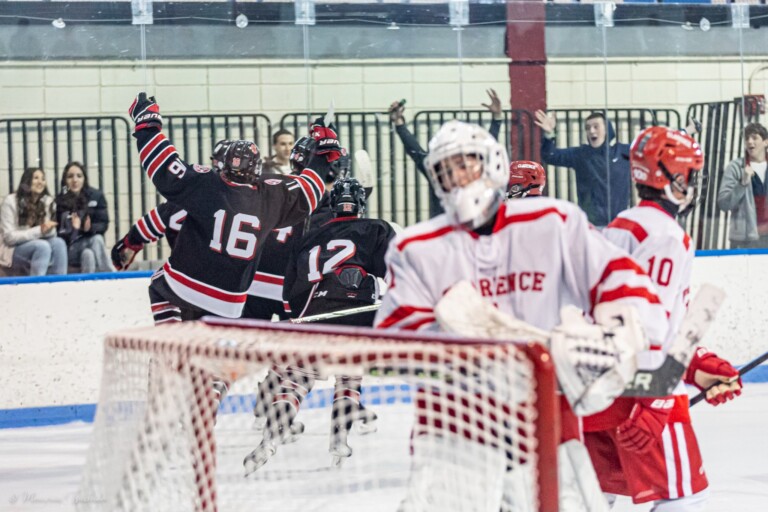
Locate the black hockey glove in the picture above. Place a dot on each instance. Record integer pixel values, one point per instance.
(124, 252)
(145, 112)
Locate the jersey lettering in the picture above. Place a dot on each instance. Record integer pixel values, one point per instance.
(664, 271)
(283, 234)
(177, 169)
(240, 244)
(516, 281)
(346, 249)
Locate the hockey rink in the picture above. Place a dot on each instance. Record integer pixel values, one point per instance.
(41, 466)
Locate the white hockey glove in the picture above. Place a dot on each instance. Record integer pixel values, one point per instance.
(594, 362)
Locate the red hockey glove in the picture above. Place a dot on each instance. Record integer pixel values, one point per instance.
(124, 252)
(643, 428)
(145, 112)
(706, 370)
(326, 138)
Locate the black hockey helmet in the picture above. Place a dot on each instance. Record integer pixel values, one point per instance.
(301, 153)
(347, 198)
(217, 156)
(242, 162)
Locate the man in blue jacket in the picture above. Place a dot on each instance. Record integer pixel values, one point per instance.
(602, 169)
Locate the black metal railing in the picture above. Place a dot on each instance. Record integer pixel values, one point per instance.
(105, 146)
(402, 193)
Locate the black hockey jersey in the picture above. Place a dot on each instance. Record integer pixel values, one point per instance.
(216, 254)
(317, 265)
(164, 220)
(268, 282)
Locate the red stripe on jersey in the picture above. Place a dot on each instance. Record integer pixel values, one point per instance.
(418, 324)
(159, 160)
(150, 146)
(315, 178)
(308, 193)
(426, 236)
(633, 227)
(401, 314)
(686, 241)
(503, 221)
(159, 305)
(157, 221)
(268, 278)
(614, 266)
(234, 298)
(144, 230)
(629, 291)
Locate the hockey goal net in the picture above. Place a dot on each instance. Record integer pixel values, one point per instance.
(459, 424)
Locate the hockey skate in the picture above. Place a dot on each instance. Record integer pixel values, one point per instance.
(348, 415)
(365, 422)
(277, 430)
(259, 456)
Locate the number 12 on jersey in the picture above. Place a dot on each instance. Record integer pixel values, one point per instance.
(346, 249)
(240, 244)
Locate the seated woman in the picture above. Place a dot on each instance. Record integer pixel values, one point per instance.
(81, 212)
(28, 241)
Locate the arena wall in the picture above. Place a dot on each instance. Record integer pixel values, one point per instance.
(53, 331)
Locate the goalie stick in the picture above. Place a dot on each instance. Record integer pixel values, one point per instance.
(662, 381)
(465, 313)
(742, 371)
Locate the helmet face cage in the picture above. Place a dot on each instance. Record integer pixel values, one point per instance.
(526, 178)
(469, 172)
(669, 161)
(347, 198)
(301, 153)
(458, 170)
(242, 162)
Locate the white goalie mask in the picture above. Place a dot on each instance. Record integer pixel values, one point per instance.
(469, 171)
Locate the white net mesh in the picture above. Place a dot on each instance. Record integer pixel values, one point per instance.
(385, 421)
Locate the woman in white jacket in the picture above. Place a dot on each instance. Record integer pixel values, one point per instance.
(28, 241)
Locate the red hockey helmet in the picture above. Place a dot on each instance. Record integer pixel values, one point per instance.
(666, 160)
(526, 178)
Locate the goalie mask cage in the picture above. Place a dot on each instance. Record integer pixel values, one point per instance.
(463, 424)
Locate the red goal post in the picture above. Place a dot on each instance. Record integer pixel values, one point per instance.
(478, 409)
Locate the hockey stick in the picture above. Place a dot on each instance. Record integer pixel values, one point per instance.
(364, 168)
(465, 312)
(662, 381)
(334, 314)
(742, 371)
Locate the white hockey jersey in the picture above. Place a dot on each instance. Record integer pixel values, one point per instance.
(658, 243)
(542, 254)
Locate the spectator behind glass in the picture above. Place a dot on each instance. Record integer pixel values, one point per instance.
(743, 192)
(414, 150)
(28, 241)
(593, 181)
(279, 162)
(81, 212)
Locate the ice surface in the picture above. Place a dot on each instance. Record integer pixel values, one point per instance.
(40, 467)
